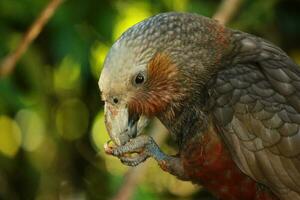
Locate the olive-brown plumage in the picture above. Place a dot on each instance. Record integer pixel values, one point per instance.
(230, 99)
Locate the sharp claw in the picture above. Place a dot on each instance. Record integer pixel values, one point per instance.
(108, 149)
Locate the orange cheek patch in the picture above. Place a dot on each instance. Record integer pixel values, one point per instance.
(161, 88)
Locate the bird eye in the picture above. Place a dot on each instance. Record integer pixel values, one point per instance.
(115, 100)
(139, 79)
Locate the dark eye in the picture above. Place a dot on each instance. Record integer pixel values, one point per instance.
(139, 79)
(115, 100)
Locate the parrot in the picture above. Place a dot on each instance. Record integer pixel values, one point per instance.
(230, 100)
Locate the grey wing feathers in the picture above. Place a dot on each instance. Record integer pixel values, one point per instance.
(257, 105)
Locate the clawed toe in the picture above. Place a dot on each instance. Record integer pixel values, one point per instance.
(135, 151)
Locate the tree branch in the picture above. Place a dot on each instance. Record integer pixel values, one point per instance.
(9, 62)
(224, 14)
(227, 10)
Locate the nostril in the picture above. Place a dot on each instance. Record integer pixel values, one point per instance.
(115, 100)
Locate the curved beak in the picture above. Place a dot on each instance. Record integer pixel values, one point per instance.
(122, 125)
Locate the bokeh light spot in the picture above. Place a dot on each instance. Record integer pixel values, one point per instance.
(10, 136)
(99, 133)
(67, 75)
(130, 14)
(32, 128)
(98, 54)
(72, 119)
(99, 137)
(176, 5)
(39, 160)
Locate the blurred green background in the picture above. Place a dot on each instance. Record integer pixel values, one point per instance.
(51, 116)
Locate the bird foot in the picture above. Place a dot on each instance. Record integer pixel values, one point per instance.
(135, 151)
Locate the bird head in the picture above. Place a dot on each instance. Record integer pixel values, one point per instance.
(154, 67)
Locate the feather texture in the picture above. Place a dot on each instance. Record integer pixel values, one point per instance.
(255, 102)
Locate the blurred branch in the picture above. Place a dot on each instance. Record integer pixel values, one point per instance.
(224, 14)
(227, 10)
(9, 62)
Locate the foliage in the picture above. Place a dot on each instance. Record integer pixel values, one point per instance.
(51, 116)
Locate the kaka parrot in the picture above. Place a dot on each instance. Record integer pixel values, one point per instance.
(230, 99)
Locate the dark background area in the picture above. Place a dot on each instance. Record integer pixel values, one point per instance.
(51, 117)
